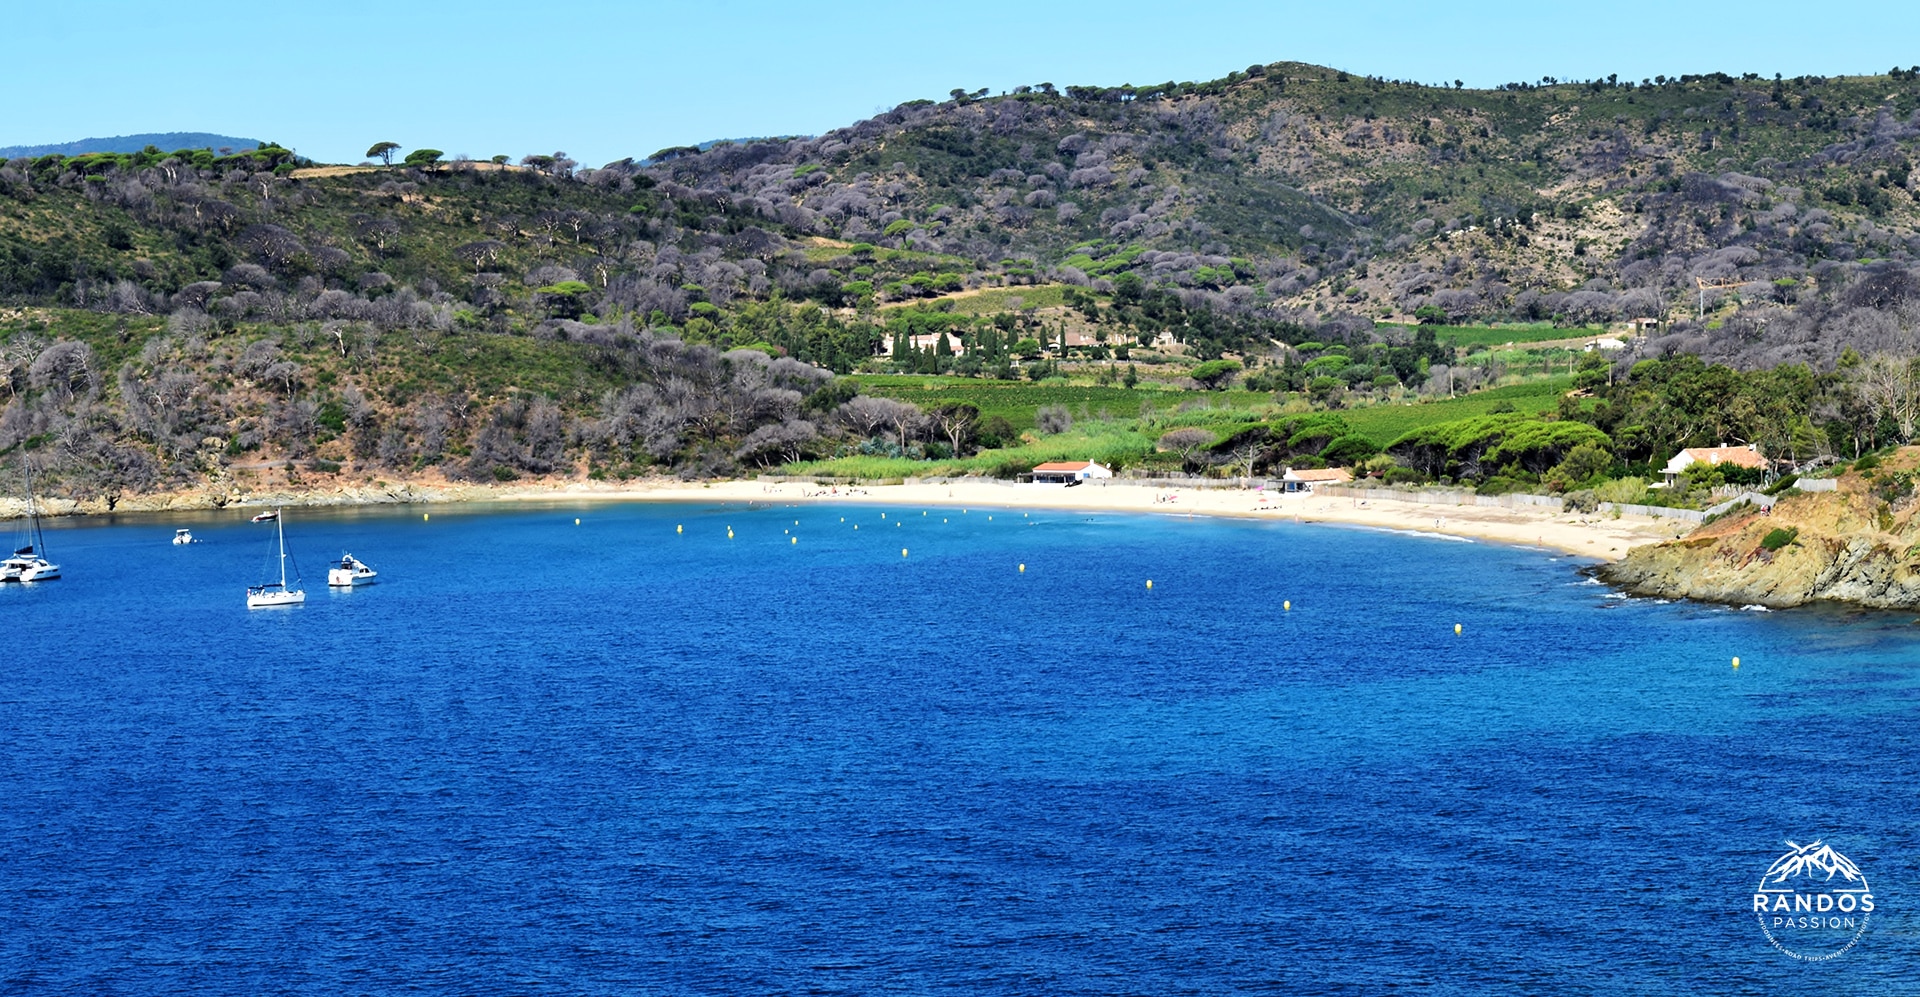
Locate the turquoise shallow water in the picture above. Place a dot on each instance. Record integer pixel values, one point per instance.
(609, 758)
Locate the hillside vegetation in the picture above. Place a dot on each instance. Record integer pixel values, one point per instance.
(987, 278)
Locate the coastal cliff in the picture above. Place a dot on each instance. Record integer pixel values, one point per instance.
(1857, 544)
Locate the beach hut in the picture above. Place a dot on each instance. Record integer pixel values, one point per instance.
(1068, 472)
(1306, 481)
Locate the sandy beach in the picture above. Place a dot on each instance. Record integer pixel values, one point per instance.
(1599, 536)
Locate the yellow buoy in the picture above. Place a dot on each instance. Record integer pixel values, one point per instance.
(1736, 662)
(843, 519)
(1287, 604)
(856, 526)
(903, 552)
(923, 512)
(794, 540)
(576, 520)
(883, 515)
(943, 519)
(1456, 628)
(424, 517)
(1023, 569)
(679, 528)
(1149, 583)
(729, 534)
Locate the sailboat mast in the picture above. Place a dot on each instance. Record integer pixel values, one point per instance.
(33, 515)
(280, 524)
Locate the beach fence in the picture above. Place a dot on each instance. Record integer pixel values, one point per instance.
(1752, 498)
(1167, 483)
(1513, 500)
(1161, 483)
(1250, 484)
(1657, 511)
(1422, 496)
(1443, 496)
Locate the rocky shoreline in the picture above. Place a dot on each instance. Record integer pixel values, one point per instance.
(1859, 545)
(207, 499)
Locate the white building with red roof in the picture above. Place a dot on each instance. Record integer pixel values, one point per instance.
(1747, 456)
(1067, 472)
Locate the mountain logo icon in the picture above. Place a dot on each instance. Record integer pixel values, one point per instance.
(1813, 903)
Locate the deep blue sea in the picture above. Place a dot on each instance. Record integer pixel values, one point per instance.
(613, 758)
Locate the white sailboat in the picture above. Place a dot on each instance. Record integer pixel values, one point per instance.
(28, 562)
(269, 594)
(349, 572)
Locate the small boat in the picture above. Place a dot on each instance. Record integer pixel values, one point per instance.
(29, 561)
(270, 594)
(349, 572)
(183, 537)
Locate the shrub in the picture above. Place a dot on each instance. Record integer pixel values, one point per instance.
(1501, 485)
(996, 432)
(1779, 537)
(1051, 419)
(1624, 491)
(1349, 449)
(1584, 463)
(1215, 374)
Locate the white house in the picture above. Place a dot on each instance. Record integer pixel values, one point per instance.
(1069, 472)
(1747, 456)
(1306, 481)
(1606, 343)
(928, 341)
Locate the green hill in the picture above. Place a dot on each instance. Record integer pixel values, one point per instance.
(171, 316)
(133, 143)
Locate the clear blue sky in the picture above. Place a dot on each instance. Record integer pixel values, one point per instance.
(602, 80)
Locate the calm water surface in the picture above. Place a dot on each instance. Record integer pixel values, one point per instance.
(613, 759)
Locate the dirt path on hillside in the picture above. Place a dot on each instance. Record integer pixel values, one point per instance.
(317, 172)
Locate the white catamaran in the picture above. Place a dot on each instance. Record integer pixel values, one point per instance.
(269, 594)
(29, 560)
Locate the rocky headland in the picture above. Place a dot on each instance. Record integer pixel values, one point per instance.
(1859, 544)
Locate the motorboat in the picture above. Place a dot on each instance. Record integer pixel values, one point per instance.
(29, 563)
(182, 537)
(269, 594)
(349, 572)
